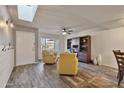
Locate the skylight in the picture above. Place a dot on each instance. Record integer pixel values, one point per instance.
(26, 12)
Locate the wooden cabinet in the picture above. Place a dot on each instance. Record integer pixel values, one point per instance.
(84, 54)
(69, 43)
(84, 48)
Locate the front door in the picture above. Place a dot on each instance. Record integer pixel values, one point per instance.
(25, 48)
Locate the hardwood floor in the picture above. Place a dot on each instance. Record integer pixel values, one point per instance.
(45, 76)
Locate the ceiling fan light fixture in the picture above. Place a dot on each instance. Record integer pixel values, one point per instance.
(64, 33)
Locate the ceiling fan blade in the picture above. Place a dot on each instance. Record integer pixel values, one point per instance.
(65, 29)
(68, 33)
(70, 30)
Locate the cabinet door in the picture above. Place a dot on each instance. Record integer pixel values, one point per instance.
(82, 57)
(6, 66)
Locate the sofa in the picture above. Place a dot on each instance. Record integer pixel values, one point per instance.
(49, 57)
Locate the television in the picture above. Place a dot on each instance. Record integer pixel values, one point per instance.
(75, 48)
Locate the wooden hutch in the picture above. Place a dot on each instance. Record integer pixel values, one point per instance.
(82, 47)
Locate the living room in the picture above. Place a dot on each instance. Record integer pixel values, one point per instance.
(47, 50)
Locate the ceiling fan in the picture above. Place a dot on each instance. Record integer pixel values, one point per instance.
(66, 31)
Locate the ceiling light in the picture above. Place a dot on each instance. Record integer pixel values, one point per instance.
(64, 33)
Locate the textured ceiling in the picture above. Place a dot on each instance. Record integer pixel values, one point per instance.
(50, 18)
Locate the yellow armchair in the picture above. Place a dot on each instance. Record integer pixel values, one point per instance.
(49, 57)
(68, 64)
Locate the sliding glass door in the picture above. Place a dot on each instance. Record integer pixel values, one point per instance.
(47, 43)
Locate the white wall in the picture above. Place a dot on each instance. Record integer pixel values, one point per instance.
(103, 42)
(6, 57)
(59, 45)
(6, 33)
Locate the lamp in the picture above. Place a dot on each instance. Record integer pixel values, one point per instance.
(11, 25)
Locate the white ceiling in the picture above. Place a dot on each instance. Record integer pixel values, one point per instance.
(50, 18)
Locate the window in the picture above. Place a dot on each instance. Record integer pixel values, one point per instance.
(26, 12)
(50, 44)
(47, 43)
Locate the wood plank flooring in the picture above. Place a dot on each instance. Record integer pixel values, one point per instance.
(46, 76)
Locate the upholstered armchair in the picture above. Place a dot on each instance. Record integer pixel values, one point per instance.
(68, 64)
(49, 57)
